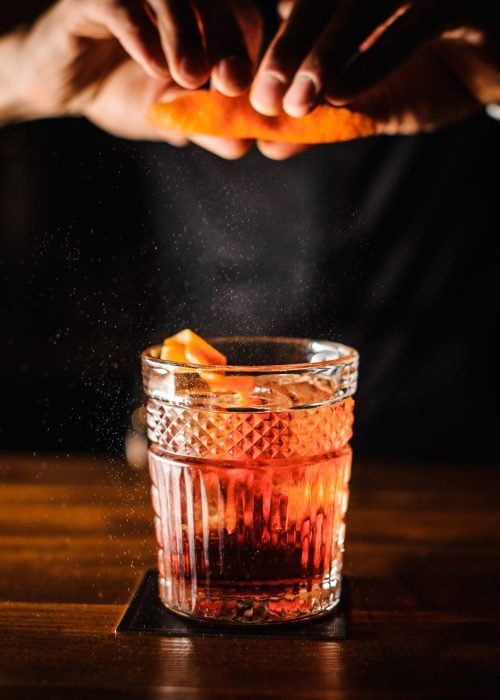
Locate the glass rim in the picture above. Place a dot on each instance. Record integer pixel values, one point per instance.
(351, 355)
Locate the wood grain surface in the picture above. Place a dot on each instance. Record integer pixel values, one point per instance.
(423, 554)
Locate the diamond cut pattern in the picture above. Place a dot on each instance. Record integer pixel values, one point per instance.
(244, 436)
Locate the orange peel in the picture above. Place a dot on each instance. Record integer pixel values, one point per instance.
(187, 346)
(197, 350)
(213, 114)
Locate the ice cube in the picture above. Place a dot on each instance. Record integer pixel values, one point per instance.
(271, 397)
(289, 390)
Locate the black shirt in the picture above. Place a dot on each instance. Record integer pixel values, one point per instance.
(388, 244)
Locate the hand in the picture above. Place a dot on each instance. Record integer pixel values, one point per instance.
(109, 60)
(410, 65)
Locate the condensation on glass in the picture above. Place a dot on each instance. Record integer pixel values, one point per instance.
(250, 495)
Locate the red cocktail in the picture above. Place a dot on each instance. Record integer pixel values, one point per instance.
(250, 466)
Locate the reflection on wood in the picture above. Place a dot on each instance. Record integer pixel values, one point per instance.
(422, 553)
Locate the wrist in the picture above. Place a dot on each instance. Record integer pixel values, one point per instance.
(14, 105)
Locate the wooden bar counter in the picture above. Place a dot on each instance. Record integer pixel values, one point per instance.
(422, 553)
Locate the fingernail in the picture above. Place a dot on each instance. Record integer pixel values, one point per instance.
(194, 68)
(267, 94)
(235, 72)
(300, 97)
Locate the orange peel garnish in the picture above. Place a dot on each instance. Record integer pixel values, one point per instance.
(197, 350)
(187, 346)
(173, 351)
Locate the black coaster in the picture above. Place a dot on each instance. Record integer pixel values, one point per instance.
(146, 614)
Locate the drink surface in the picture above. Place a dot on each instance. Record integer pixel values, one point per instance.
(249, 506)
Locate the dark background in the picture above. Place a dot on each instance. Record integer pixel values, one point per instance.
(388, 244)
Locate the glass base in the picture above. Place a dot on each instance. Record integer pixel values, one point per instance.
(284, 604)
(250, 544)
(146, 614)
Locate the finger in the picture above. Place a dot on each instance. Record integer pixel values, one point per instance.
(285, 8)
(366, 69)
(170, 137)
(131, 26)
(351, 27)
(408, 101)
(227, 51)
(230, 149)
(182, 42)
(121, 103)
(252, 27)
(292, 43)
(281, 151)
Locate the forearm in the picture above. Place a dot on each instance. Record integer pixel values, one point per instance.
(13, 104)
(14, 17)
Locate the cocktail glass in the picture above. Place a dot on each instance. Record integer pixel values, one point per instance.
(250, 465)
